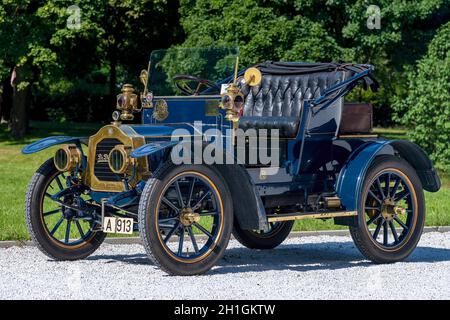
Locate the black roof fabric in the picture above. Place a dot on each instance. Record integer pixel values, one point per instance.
(293, 68)
(298, 68)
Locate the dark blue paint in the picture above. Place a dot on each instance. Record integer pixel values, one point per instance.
(48, 142)
(151, 148)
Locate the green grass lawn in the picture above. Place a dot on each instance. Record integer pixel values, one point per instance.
(16, 171)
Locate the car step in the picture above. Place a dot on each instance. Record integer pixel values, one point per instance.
(309, 215)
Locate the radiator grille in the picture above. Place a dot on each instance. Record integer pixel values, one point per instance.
(101, 168)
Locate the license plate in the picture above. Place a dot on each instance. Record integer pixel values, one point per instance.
(118, 225)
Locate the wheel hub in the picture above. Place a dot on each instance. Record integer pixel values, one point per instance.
(389, 210)
(188, 216)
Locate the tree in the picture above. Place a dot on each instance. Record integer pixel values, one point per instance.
(426, 108)
(260, 32)
(322, 30)
(21, 39)
(67, 70)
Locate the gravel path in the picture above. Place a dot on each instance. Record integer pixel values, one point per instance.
(320, 267)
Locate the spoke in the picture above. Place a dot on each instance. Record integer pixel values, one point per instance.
(180, 244)
(49, 213)
(56, 226)
(372, 208)
(80, 230)
(180, 197)
(167, 220)
(171, 232)
(48, 195)
(170, 204)
(374, 196)
(165, 225)
(401, 195)
(377, 230)
(194, 242)
(380, 189)
(66, 240)
(395, 187)
(374, 218)
(199, 203)
(385, 233)
(387, 190)
(202, 229)
(400, 222)
(191, 191)
(394, 232)
(59, 183)
(208, 213)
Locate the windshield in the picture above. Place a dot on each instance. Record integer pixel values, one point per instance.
(213, 63)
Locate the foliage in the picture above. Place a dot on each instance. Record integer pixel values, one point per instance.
(79, 70)
(426, 107)
(321, 30)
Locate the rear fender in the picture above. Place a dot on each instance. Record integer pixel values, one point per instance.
(351, 177)
(49, 142)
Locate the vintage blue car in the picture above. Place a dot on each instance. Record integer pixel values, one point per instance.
(246, 155)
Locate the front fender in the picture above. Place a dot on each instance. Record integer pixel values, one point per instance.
(49, 142)
(153, 147)
(351, 177)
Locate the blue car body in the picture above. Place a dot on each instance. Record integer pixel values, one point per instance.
(317, 160)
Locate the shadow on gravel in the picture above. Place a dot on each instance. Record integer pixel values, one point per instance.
(125, 258)
(295, 257)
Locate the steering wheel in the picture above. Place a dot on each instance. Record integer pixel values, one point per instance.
(184, 84)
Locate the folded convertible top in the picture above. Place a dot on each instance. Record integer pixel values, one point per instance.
(294, 68)
(299, 68)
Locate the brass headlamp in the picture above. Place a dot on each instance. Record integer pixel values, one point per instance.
(67, 158)
(119, 159)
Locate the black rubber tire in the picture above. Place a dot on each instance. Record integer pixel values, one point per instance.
(36, 227)
(253, 240)
(149, 233)
(362, 237)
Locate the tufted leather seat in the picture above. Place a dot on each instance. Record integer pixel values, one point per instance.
(278, 101)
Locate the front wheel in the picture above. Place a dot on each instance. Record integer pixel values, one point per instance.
(185, 216)
(391, 212)
(59, 231)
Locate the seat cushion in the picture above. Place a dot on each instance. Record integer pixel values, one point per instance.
(287, 126)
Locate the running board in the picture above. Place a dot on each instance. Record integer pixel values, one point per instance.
(309, 215)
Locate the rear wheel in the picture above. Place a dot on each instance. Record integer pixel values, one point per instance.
(391, 213)
(185, 218)
(58, 231)
(263, 239)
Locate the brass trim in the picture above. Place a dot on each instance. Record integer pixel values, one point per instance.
(253, 77)
(318, 215)
(161, 110)
(127, 136)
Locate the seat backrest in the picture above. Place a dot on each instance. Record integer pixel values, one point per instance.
(284, 95)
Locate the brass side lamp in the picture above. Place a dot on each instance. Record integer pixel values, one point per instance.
(127, 101)
(233, 99)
